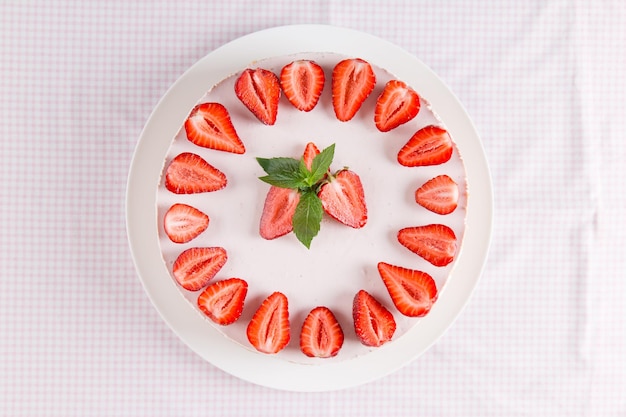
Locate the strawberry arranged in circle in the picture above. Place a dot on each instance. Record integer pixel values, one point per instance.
(223, 300)
(321, 335)
(439, 195)
(259, 90)
(352, 81)
(195, 267)
(430, 145)
(434, 242)
(209, 126)
(343, 198)
(412, 292)
(374, 325)
(183, 223)
(280, 204)
(269, 329)
(396, 105)
(188, 173)
(302, 82)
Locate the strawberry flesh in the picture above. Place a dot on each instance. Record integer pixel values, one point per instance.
(412, 292)
(302, 82)
(188, 173)
(321, 335)
(223, 300)
(195, 267)
(209, 126)
(439, 195)
(183, 223)
(310, 152)
(396, 105)
(259, 90)
(352, 82)
(430, 145)
(268, 331)
(374, 325)
(344, 200)
(434, 242)
(278, 209)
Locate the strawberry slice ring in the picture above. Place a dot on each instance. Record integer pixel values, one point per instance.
(186, 266)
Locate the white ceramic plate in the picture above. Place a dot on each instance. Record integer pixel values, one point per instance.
(341, 260)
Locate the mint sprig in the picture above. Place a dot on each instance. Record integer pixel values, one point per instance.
(294, 174)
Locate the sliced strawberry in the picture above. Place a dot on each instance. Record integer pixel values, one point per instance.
(435, 242)
(209, 126)
(310, 152)
(223, 300)
(259, 90)
(268, 331)
(353, 81)
(430, 145)
(396, 105)
(280, 205)
(439, 195)
(183, 223)
(373, 323)
(302, 82)
(188, 173)
(412, 292)
(321, 335)
(343, 199)
(195, 267)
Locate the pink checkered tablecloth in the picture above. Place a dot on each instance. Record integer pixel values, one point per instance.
(545, 331)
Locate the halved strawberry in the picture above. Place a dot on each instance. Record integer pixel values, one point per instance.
(396, 105)
(183, 223)
(373, 323)
(343, 198)
(412, 292)
(430, 145)
(268, 331)
(434, 242)
(188, 173)
(310, 152)
(302, 82)
(439, 195)
(321, 335)
(209, 126)
(278, 209)
(195, 267)
(353, 81)
(223, 300)
(259, 90)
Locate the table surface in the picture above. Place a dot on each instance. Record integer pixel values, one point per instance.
(544, 333)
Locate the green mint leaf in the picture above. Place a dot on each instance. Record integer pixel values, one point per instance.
(320, 164)
(283, 166)
(285, 181)
(307, 218)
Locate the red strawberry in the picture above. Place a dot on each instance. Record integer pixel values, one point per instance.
(413, 292)
(321, 334)
(182, 223)
(280, 205)
(259, 90)
(439, 195)
(188, 173)
(353, 81)
(209, 126)
(268, 331)
(222, 301)
(373, 323)
(195, 267)
(435, 242)
(302, 82)
(343, 199)
(310, 152)
(430, 145)
(396, 105)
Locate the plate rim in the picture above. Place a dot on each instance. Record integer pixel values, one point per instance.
(267, 370)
